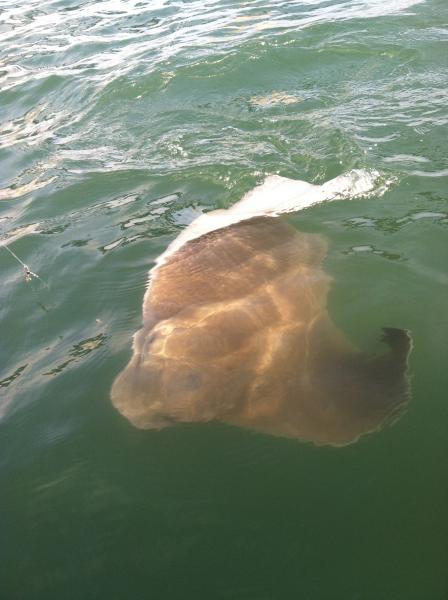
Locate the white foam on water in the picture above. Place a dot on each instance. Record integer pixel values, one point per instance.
(18, 233)
(277, 195)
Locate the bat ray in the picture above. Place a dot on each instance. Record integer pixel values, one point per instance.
(236, 329)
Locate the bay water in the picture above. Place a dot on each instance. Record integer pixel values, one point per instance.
(119, 121)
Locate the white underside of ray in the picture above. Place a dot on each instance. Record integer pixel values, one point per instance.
(277, 195)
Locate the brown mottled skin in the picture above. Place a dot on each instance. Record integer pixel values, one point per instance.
(236, 329)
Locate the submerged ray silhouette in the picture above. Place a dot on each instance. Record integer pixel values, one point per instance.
(236, 329)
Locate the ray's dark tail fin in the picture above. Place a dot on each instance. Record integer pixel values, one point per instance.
(391, 370)
(399, 341)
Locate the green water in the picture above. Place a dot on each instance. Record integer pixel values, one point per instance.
(119, 117)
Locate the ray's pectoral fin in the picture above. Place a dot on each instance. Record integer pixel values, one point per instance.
(357, 393)
(390, 373)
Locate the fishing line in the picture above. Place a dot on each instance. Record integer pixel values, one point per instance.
(29, 274)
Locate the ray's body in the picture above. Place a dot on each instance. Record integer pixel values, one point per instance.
(236, 329)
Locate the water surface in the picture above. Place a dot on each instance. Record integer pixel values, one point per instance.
(119, 120)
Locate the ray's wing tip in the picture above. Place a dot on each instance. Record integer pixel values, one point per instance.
(401, 344)
(398, 340)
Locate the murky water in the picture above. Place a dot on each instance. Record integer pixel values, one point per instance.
(120, 120)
